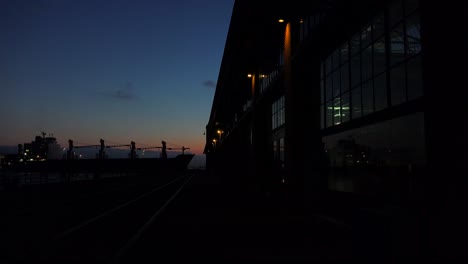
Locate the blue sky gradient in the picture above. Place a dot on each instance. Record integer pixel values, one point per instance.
(119, 70)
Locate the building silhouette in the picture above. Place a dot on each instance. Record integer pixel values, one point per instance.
(362, 97)
(42, 148)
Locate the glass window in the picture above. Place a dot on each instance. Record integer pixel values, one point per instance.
(345, 107)
(380, 92)
(415, 88)
(397, 45)
(344, 52)
(282, 150)
(413, 35)
(329, 114)
(378, 27)
(322, 117)
(274, 123)
(355, 44)
(379, 56)
(345, 77)
(366, 64)
(355, 70)
(275, 150)
(366, 36)
(337, 111)
(336, 83)
(396, 146)
(356, 103)
(377, 67)
(322, 91)
(367, 98)
(411, 6)
(328, 87)
(282, 116)
(278, 113)
(395, 12)
(398, 85)
(335, 59)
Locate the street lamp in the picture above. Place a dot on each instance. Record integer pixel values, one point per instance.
(220, 133)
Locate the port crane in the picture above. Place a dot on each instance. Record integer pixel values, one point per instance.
(164, 148)
(181, 148)
(132, 154)
(102, 153)
(71, 153)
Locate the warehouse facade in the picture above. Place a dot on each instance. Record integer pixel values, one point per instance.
(361, 98)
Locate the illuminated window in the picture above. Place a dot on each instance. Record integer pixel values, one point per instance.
(278, 113)
(378, 67)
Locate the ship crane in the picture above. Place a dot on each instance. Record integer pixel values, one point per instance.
(163, 149)
(132, 154)
(182, 148)
(71, 154)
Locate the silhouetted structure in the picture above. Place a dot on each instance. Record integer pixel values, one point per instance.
(42, 156)
(346, 96)
(41, 148)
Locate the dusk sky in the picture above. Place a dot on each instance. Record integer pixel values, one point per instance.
(120, 70)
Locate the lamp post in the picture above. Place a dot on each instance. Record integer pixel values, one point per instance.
(220, 133)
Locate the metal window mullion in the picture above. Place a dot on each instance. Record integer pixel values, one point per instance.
(388, 51)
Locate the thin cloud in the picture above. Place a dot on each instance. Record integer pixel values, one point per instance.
(210, 84)
(126, 93)
(123, 94)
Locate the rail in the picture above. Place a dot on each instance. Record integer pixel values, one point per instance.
(108, 235)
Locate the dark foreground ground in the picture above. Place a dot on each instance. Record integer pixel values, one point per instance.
(201, 221)
(212, 222)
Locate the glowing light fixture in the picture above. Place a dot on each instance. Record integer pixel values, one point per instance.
(281, 20)
(249, 75)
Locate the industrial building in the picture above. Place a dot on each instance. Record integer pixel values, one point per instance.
(356, 97)
(42, 148)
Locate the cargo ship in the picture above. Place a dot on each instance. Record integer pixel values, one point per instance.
(44, 155)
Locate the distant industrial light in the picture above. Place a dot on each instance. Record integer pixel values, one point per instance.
(301, 21)
(249, 75)
(281, 20)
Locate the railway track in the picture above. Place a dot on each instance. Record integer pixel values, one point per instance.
(109, 229)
